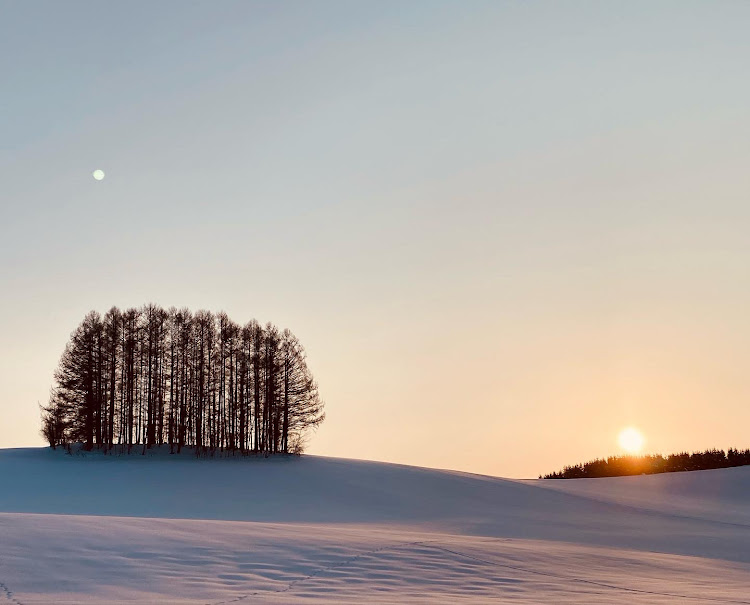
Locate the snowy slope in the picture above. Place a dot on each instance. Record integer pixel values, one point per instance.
(324, 530)
(721, 495)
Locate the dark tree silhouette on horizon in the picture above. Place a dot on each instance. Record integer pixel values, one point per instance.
(148, 376)
(618, 466)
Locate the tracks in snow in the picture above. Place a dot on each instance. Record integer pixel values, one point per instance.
(433, 544)
(322, 570)
(6, 592)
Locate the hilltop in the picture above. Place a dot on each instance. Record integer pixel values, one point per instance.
(304, 529)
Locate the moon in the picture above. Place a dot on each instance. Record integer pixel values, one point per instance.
(631, 440)
(98, 174)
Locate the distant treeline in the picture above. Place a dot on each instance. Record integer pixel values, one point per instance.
(617, 466)
(151, 376)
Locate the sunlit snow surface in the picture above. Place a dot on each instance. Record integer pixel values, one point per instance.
(174, 529)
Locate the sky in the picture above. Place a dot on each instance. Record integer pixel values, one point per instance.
(503, 231)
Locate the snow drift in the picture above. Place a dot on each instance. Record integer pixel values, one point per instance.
(166, 528)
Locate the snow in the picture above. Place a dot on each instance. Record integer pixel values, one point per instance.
(175, 529)
(720, 496)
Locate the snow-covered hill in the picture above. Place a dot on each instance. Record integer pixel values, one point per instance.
(173, 529)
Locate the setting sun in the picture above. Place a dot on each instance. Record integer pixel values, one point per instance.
(631, 440)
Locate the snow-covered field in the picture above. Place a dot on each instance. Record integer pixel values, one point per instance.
(174, 529)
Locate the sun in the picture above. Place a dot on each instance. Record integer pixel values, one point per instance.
(98, 174)
(631, 440)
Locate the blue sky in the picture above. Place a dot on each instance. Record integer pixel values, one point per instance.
(496, 226)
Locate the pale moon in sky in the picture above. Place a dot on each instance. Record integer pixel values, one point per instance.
(98, 174)
(631, 440)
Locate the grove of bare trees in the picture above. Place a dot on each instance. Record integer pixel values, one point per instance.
(153, 377)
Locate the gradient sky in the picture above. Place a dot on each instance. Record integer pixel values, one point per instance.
(502, 230)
